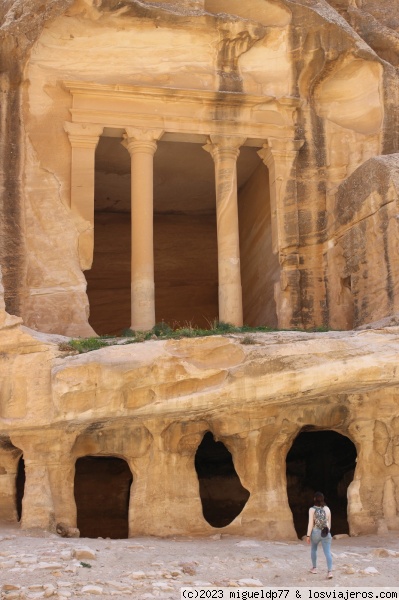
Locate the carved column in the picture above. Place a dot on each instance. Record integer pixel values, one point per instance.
(84, 139)
(279, 155)
(142, 145)
(225, 151)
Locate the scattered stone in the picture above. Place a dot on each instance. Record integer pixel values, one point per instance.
(340, 536)
(49, 590)
(189, 568)
(66, 531)
(121, 587)
(48, 566)
(137, 575)
(162, 585)
(217, 536)
(6, 587)
(35, 588)
(370, 571)
(261, 559)
(349, 570)
(84, 552)
(383, 552)
(92, 589)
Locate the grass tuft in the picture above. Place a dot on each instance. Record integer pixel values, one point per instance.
(83, 345)
(164, 331)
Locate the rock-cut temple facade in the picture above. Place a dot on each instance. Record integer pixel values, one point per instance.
(188, 162)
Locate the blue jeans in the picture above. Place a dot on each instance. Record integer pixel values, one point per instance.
(315, 540)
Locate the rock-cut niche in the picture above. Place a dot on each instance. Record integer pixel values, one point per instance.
(102, 493)
(222, 495)
(322, 461)
(185, 237)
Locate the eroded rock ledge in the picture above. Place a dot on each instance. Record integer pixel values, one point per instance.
(152, 403)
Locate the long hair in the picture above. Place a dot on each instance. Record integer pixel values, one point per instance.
(319, 499)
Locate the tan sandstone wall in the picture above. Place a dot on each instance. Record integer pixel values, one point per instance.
(363, 260)
(151, 404)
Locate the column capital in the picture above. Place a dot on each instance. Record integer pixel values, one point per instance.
(83, 135)
(137, 139)
(279, 148)
(224, 145)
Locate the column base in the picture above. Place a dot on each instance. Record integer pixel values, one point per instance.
(230, 304)
(143, 305)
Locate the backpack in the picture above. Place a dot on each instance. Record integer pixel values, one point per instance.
(320, 517)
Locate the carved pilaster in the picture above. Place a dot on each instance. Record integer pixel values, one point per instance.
(84, 139)
(279, 155)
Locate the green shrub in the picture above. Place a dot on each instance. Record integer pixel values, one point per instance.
(88, 344)
(162, 329)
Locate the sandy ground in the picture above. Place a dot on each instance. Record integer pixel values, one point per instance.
(37, 564)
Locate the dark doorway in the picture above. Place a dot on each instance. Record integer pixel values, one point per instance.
(102, 492)
(322, 461)
(222, 495)
(20, 487)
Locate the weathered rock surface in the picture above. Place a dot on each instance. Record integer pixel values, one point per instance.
(317, 212)
(347, 91)
(152, 403)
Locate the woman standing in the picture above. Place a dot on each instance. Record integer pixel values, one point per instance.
(319, 519)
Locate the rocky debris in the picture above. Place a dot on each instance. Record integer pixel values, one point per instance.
(384, 553)
(92, 589)
(66, 531)
(160, 569)
(349, 570)
(84, 553)
(189, 568)
(369, 571)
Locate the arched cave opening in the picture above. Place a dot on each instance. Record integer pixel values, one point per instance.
(20, 486)
(320, 461)
(222, 495)
(102, 493)
(185, 236)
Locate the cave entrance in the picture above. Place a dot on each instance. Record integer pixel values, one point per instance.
(102, 493)
(185, 237)
(222, 495)
(20, 487)
(322, 461)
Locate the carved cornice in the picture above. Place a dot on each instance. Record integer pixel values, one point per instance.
(189, 112)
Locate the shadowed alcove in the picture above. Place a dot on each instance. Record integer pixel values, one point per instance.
(322, 461)
(20, 486)
(185, 237)
(102, 493)
(222, 495)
